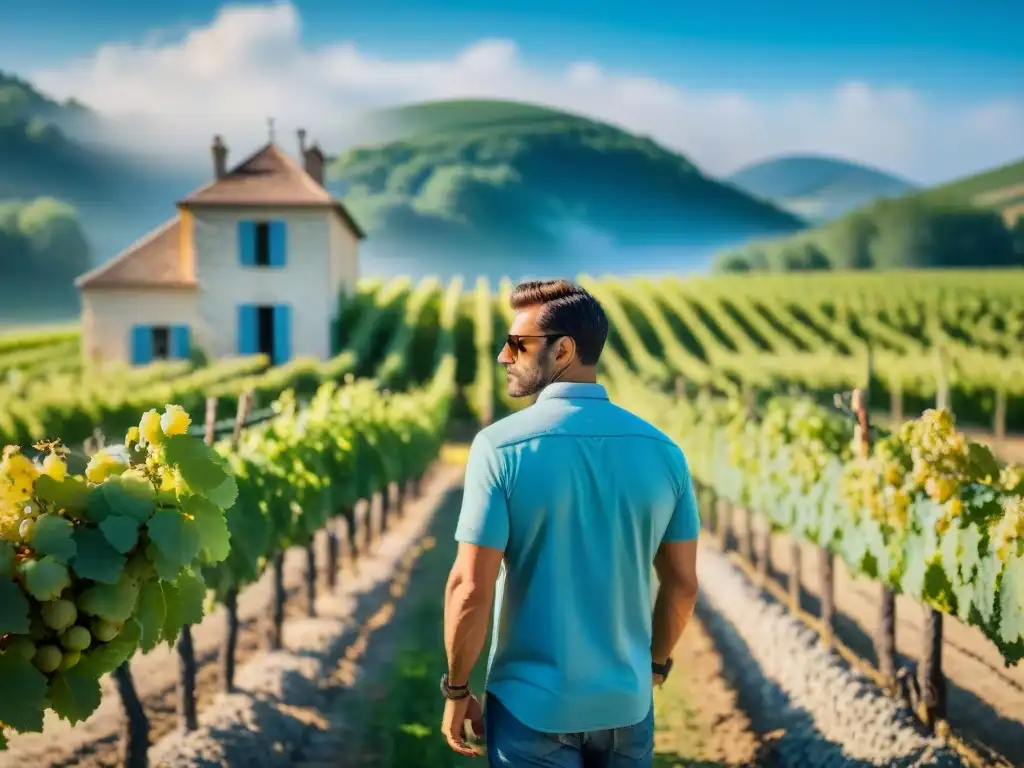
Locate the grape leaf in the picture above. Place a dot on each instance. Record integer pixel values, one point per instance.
(13, 609)
(70, 494)
(225, 494)
(131, 494)
(964, 600)
(53, 536)
(105, 658)
(45, 579)
(74, 695)
(201, 468)
(950, 552)
(191, 593)
(150, 614)
(173, 618)
(915, 563)
(1011, 601)
(175, 536)
(970, 555)
(6, 559)
(23, 712)
(985, 586)
(211, 525)
(112, 602)
(96, 559)
(121, 531)
(98, 506)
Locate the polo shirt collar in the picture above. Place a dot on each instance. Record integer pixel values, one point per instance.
(571, 390)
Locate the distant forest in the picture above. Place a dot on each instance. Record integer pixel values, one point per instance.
(901, 233)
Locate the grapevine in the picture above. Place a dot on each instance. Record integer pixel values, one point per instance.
(96, 567)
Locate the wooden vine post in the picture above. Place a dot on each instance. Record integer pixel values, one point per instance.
(136, 740)
(723, 522)
(231, 598)
(277, 615)
(931, 681)
(999, 415)
(885, 637)
(793, 582)
(311, 577)
(747, 533)
(826, 573)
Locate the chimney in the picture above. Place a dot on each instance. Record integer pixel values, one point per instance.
(302, 142)
(314, 164)
(220, 158)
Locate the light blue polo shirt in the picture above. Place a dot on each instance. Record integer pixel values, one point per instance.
(579, 494)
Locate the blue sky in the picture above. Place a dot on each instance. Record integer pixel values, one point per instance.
(954, 58)
(944, 46)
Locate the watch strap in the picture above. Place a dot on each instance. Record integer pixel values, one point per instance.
(453, 692)
(662, 669)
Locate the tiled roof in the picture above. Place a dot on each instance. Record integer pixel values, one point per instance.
(152, 262)
(268, 177)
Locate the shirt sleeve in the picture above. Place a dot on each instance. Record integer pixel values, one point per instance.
(484, 517)
(685, 521)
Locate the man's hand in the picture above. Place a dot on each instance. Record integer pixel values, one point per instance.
(657, 679)
(453, 724)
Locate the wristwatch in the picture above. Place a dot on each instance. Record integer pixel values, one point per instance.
(453, 692)
(662, 669)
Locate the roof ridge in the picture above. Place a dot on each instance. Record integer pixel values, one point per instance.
(312, 183)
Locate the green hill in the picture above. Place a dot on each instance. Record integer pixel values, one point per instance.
(817, 188)
(1000, 189)
(490, 179)
(974, 221)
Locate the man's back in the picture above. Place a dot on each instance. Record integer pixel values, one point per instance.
(579, 494)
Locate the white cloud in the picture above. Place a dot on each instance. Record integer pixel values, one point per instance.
(251, 62)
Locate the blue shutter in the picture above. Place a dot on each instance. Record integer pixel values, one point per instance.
(247, 243)
(180, 342)
(282, 334)
(142, 345)
(248, 341)
(278, 244)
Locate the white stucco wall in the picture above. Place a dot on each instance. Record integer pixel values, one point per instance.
(309, 280)
(108, 317)
(344, 256)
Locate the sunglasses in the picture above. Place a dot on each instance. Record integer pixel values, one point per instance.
(514, 342)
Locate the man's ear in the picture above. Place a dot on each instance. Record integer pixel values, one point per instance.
(566, 349)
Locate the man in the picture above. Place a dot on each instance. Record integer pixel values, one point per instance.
(572, 499)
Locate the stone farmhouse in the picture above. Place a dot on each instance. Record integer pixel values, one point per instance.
(252, 262)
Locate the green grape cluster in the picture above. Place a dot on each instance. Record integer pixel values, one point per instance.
(95, 567)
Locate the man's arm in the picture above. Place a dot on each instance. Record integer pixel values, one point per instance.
(482, 533)
(676, 566)
(469, 597)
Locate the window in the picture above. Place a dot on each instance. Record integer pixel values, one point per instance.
(262, 244)
(161, 342)
(265, 331)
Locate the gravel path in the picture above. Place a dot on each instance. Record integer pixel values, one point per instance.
(830, 715)
(96, 741)
(986, 699)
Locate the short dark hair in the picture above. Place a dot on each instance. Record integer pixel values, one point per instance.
(567, 309)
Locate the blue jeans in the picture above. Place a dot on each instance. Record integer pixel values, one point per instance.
(510, 743)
